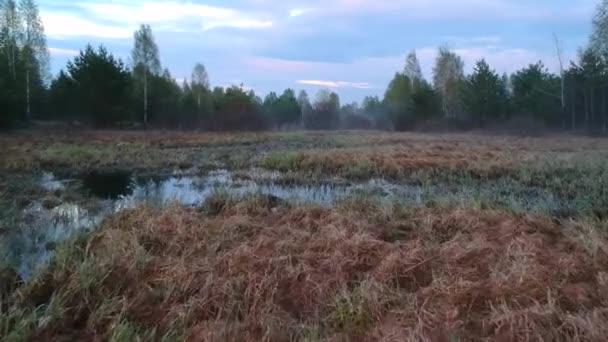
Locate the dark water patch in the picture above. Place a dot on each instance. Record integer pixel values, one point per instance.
(110, 185)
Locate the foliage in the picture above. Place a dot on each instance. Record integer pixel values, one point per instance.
(237, 109)
(398, 101)
(448, 79)
(326, 111)
(23, 63)
(534, 93)
(485, 93)
(100, 85)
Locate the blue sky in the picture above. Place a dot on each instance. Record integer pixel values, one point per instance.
(353, 47)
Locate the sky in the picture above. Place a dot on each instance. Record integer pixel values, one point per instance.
(353, 47)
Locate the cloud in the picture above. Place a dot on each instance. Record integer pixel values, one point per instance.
(63, 52)
(62, 25)
(240, 24)
(296, 12)
(176, 14)
(464, 9)
(347, 45)
(336, 84)
(472, 40)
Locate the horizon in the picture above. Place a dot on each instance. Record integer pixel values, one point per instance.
(352, 47)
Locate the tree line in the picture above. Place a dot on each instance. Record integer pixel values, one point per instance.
(100, 90)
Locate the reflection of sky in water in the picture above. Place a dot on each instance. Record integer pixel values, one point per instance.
(31, 244)
(195, 190)
(50, 183)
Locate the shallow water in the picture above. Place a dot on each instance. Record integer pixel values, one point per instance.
(32, 244)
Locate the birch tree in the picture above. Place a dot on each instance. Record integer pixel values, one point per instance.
(560, 59)
(35, 52)
(10, 24)
(200, 82)
(305, 106)
(412, 68)
(448, 77)
(145, 59)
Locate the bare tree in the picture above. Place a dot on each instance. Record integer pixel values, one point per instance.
(35, 51)
(412, 68)
(145, 56)
(200, 82)
(305, 106)
(560, 58)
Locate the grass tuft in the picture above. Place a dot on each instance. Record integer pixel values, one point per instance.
(261, 270)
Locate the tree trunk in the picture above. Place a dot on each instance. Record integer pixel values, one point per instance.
(592, 104)
(573, 109)
(604, 109)
(198, 101)
(12, 60)
(563, 93)
(8, 59)
(14, 63)
(586, 100)
(28, 112)
(145, 99)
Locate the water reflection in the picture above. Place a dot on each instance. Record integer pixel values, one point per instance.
(30, 245)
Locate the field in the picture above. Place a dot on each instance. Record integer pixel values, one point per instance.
(303, 236)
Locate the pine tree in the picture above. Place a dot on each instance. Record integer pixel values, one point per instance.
(484, 93)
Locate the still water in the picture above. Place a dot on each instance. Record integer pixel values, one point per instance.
(43, 226)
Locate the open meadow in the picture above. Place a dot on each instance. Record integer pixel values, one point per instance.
(302, 236)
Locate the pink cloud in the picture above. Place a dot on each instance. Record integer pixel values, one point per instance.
(282, 65)
(336, 84)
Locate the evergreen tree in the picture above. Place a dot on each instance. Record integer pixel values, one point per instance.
(100, 86)
(398, 102)
(484, 93)
(536, 93)
(288, 111)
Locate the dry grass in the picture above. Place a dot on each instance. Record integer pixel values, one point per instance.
(257, 272)
(399, 155)
(352, 153)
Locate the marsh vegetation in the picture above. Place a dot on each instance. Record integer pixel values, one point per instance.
(303, 236)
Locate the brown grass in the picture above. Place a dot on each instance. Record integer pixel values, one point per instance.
(398, 155)
(388, 153)
(255, 272)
